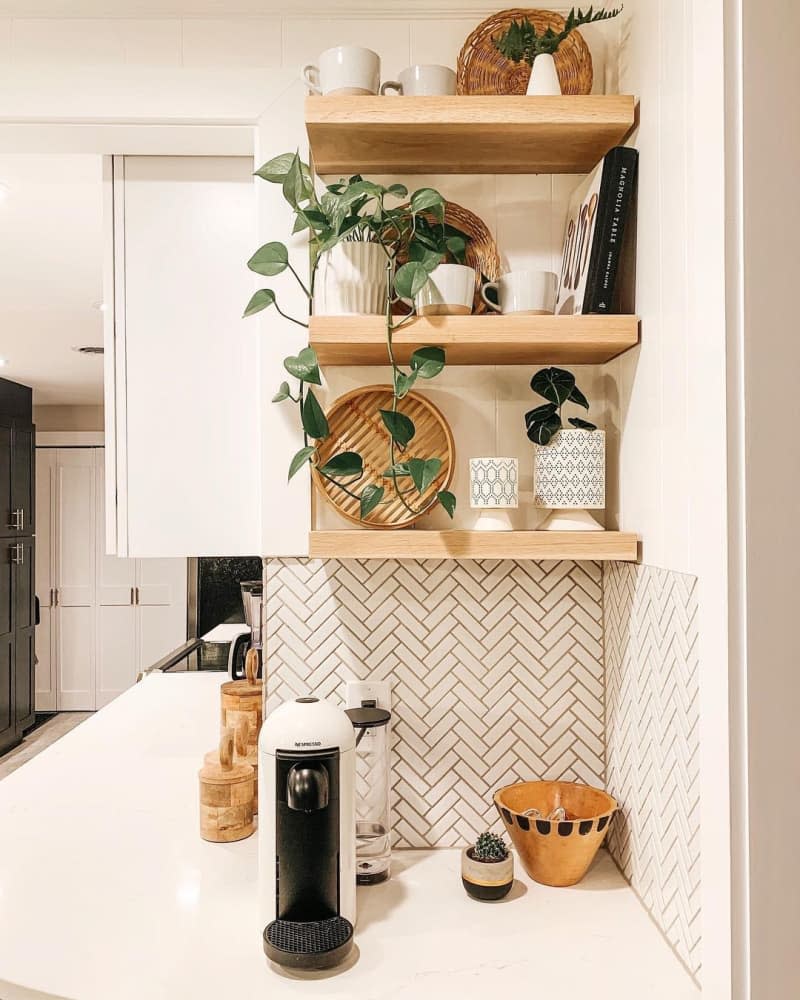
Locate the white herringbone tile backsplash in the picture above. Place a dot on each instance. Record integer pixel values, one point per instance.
(496, 671)
(653, 751)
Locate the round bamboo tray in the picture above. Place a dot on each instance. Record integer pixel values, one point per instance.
(226, 796)
(356, 425)
(483, 70)
(243, 700)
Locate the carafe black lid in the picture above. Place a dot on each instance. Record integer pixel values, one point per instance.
(367, 718)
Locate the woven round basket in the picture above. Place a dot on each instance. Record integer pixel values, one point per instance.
(481, 254)
(356, 425)
(482, 70)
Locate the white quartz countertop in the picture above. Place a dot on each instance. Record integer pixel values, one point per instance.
(107, 891)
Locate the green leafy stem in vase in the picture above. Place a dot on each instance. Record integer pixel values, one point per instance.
(415, 239)
(522, 43)
(558, 387)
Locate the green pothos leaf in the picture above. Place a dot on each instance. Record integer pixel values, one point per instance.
(300, 460)
(448, 501)
(282, 393)
(403, 383)
(423, 471)
(315, 423)
(399, 426)
(345, 464)
(427, 362)
(371, 496)
(262, 299)
(305, 366)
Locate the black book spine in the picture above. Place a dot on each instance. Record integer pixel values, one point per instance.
(616, 191)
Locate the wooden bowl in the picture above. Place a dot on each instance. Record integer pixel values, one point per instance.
(555, 853)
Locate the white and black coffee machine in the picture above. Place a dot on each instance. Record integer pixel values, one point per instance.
(307, 847)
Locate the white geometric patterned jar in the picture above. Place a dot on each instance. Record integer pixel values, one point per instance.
(569, 474)
(493, 483)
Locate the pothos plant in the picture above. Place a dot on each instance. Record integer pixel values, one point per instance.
(558, 387)
(522, 43)
(414, 237)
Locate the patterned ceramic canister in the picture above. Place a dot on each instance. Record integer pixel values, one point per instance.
(570, 472)
(493, 483)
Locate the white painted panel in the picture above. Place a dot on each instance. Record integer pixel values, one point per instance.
(161, 610)
(76, 659)
(193, 443)
(75, 527)
(116, 651)
(116, 577)
(227, 41)
(84, 42)
(45, 579)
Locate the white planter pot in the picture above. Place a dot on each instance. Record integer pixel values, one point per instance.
(351, 280)
(569, 474)
(544, 81)
(493, 483)
(449, 291)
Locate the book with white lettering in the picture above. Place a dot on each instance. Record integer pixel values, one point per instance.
(598, 210)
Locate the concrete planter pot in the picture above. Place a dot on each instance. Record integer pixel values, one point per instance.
(486, 880)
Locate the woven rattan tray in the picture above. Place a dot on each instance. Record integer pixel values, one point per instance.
(482, 70)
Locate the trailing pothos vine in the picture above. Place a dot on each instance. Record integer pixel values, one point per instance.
(415, 238)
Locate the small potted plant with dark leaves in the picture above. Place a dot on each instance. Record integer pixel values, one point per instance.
(522, 43)
(569, 466)
(487, 868)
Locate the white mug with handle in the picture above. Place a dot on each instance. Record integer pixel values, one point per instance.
(531, 293)
(344, 69)
(423, 81)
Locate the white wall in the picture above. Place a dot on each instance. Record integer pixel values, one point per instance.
(68, 418)
(670, 393)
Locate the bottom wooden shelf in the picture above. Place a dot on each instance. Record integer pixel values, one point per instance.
(364, 543)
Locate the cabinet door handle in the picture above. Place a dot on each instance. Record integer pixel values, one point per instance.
(17, 554)
(133, 595)
(52, 601)
(21, 519)
(56, 597)
(15, 522)
(137, 595)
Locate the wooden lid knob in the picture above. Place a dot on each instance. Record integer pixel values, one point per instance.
(226, 749)
(251, 666)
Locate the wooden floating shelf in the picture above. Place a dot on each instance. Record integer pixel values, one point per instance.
(465, 135)
(477, 340)
(362, 543)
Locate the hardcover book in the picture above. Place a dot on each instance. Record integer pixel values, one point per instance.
(593, 236)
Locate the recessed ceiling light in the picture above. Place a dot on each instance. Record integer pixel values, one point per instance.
(3, 362)
(100, 306)
(88, 350)
(5, 191)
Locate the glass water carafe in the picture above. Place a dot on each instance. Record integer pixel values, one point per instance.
(373, 824)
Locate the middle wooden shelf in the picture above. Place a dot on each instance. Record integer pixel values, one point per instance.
(477, 340)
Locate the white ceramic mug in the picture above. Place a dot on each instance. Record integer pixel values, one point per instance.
(425, 81)
(449, 291)
(344, 69)
(530, 292)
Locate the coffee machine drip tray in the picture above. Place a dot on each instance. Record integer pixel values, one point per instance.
(312, 944)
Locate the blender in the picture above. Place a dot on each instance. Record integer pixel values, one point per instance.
(373, 825)
(252, 598)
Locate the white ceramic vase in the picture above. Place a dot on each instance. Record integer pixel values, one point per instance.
(351, 280)
(569, 476)
(544, 81)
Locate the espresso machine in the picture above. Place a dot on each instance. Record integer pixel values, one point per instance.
(307, 823)
(252, 597)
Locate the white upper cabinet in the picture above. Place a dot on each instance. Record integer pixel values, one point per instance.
(182, 380)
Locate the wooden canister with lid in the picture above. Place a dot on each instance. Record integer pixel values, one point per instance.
(242, 700)
(226, 795)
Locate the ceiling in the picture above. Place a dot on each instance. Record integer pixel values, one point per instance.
(51, 276)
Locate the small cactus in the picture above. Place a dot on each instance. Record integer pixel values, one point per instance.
(489, 847)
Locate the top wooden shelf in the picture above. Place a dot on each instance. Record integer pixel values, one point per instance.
(465, 135)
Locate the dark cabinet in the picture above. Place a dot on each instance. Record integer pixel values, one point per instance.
(17, 563)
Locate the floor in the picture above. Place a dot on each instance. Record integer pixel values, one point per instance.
(41, 738)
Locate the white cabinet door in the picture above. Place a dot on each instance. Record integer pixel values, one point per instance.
(184, 476)
(75, 531)
(46, 685)
(116, 611)
(161, 594)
